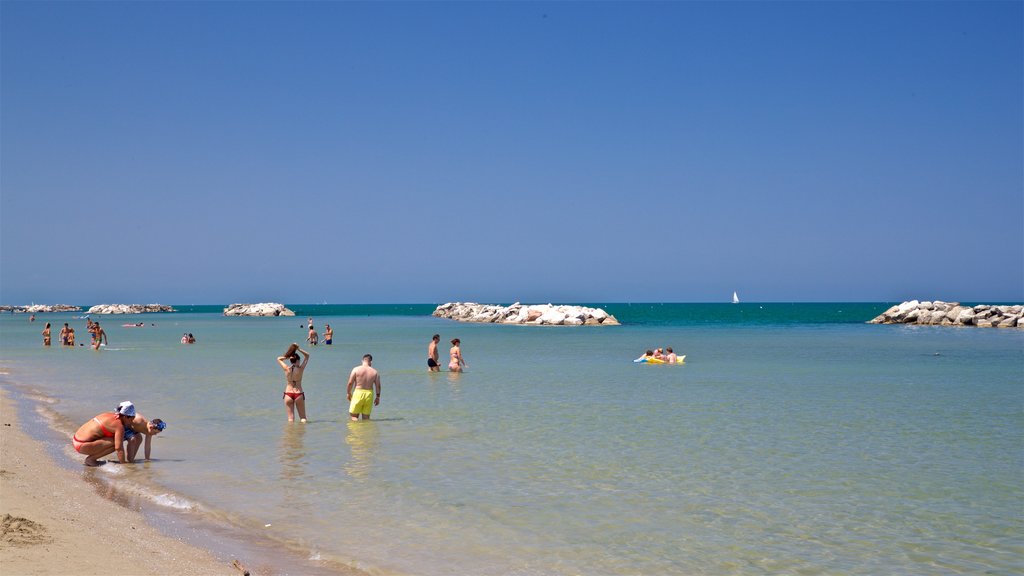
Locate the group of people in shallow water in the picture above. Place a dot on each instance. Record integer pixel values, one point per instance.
(66, 335)
(97, 336)
(314, 338)
(122, 431)
(363, 387)
(362, 390)
(456, 363)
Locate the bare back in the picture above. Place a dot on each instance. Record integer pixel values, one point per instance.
(364, 377)
(293, 376)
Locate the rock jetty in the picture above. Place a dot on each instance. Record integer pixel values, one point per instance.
(532, 314)
(40, 308)
(261, 309)
(129, 308)
(940, 313)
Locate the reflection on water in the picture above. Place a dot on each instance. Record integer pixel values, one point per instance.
(292, 455)
(362, 438)
(453, 379)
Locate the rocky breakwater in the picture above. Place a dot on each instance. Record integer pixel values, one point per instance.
(940, 313)
(261, 309)
(129, 308)
(532, 314)
(40, 308)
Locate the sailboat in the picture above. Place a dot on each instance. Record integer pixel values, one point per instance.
(735, 298)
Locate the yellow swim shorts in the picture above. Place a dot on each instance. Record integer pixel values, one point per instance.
(362, 402)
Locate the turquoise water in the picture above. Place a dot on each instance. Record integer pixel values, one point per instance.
(795, 439)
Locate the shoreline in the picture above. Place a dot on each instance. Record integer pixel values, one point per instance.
(67, 527)
(80, 524)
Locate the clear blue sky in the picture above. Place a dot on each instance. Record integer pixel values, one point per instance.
(215, 152)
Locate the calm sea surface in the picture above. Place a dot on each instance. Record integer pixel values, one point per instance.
(795, 440)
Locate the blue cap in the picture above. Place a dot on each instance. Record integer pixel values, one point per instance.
(161, 426)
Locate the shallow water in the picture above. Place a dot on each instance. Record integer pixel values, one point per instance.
(799, 447)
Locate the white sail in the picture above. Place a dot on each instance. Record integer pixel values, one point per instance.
(735, 298)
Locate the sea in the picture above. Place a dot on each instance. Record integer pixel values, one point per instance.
(795, 439)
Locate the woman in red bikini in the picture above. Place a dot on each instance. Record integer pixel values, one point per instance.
(104, 434)
(293, 396)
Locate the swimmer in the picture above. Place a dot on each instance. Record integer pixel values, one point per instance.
(457, 363)
(313, 336)
(671, 357)
(294, 397)
(362, 382)
(645, 356)
(46, 335)
(328, 335)
(432, 365)
(99, 337)
(104, 434)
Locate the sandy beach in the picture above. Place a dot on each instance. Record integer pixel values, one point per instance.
(55, 522)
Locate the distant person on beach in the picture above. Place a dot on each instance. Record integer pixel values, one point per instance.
(362, 383)
(456, 363)
(63, 335)
(46, 335)
(313, 336)
(294, 397)
(140, 429)
(432, 365)
(104, 434)
(328, 335)
(100, 337)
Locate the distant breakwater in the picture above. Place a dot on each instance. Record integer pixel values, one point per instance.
(129, 308)
(261, 309)
(940, 313)
(533, 314)
(40, 308)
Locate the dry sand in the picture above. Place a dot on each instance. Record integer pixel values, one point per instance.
(54, 522)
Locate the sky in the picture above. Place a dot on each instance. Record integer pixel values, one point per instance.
(567, 152)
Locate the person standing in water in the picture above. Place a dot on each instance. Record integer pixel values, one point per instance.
(46, 335)
(294, 397)
(457, 363)
(100, 336)
(432, 365)
(64, 334)
(313, 336)
(362, 383)
(328, 335)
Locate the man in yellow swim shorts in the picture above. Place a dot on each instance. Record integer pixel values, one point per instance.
(362, 383)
